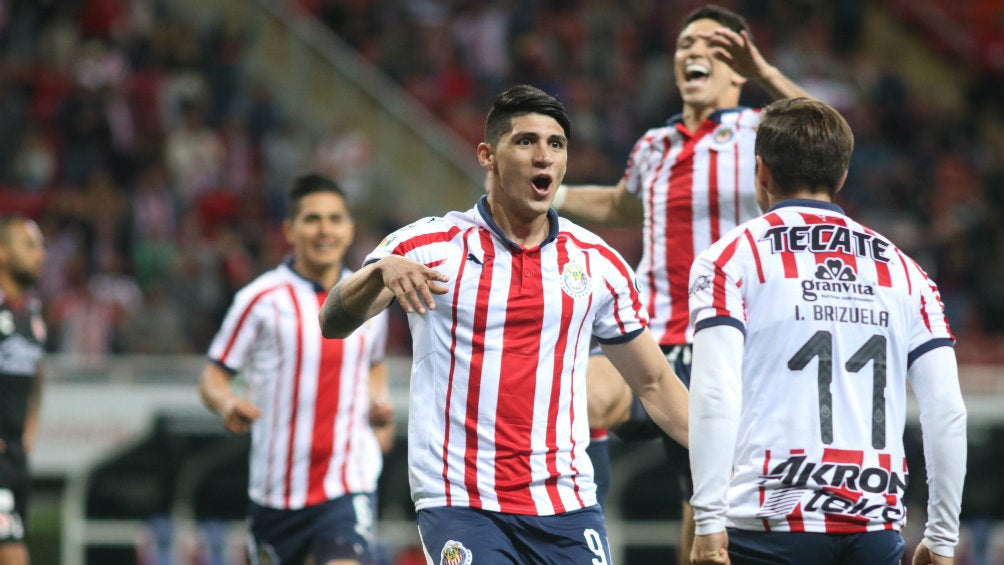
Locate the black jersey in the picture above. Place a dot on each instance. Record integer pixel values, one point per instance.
(22, 345)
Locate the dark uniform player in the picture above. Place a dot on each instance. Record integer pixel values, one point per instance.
(22, 337)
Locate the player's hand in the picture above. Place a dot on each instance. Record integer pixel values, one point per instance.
(710, 549)
(924, 556)
(238, 414)
(413, 284)
(737, 51)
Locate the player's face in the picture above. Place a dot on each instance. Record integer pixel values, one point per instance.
(24, 253)
(530, 161)
(704, 81)
(320, 233)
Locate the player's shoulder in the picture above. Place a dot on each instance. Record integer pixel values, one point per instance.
(578, 233)
(264, 283)
(426, 226)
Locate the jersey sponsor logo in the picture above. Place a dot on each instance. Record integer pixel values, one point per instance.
(835, 279)
(834, 487)
(19, 355)
(454, 553)
(826, 238)
(574, 280)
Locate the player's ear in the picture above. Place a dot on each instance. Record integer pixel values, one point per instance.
(486, 156)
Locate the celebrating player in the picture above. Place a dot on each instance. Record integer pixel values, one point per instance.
(693, 180)
(314, 459)
(503, 300)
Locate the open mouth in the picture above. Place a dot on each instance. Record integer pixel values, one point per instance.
(696, 73)
(542, 183)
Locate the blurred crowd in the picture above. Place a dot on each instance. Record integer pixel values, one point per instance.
(157, 166)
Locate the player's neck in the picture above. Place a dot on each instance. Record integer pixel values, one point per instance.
(695, 114)
(12, 291)
(326, 277)
(527, 232)
(800, 195)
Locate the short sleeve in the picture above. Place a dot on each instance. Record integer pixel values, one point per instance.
(620, 316)
(233, 342)
(715, 294)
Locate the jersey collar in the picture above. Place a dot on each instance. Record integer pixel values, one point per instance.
(715, 116)
(552, 220)
(807, 203)
(288, 263)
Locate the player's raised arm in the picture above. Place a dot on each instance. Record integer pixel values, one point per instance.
(369, 290)
(599, 205)
(650, 377)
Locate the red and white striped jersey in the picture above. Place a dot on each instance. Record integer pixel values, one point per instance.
(313, 441)
(695, 187)
(833, 316)
(497, 413)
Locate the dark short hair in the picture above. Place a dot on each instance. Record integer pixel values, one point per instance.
(724, 16)
(306, 184)
(521, 100)
(805, 143)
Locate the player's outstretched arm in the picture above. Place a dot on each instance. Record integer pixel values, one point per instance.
(597, 205)
(649, 375)
(363, 294)
(738, 51)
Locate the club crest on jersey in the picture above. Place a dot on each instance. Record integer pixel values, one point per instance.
(574, 280)
(454, 553)
(724, 135)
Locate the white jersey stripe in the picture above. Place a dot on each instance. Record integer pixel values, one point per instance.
(315, 443)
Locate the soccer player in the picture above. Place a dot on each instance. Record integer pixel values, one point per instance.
(808, 326)
(687, 182)
(502, 301)
(22, 347)
(314, 459)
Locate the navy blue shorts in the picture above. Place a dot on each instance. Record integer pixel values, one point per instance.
(789, 548)
(461, 536)
(337, 529)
